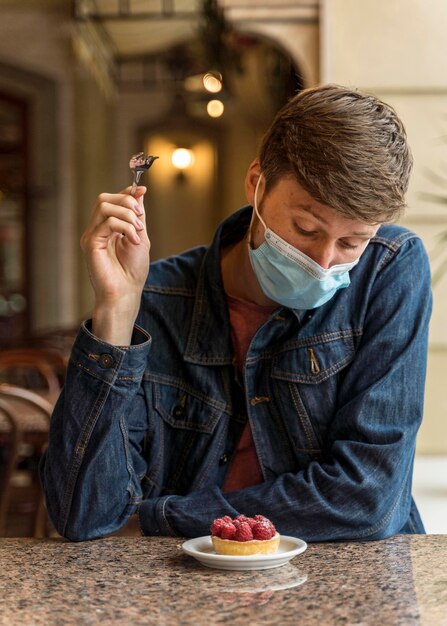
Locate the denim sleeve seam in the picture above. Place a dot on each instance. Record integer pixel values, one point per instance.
(94, 374)
(87, 430)
(413, 526)
(78, 454)
(374, 529)
(130, 469)
(162, 504)
(394, 247)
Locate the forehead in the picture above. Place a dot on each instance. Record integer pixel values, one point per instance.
(329, 217)
(299, 202)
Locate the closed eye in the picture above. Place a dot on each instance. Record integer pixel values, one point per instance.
(305, 233)
(353, 246)
(349, 246)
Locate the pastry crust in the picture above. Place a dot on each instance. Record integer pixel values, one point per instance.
(245, 548)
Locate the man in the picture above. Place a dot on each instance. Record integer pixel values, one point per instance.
(279, 371)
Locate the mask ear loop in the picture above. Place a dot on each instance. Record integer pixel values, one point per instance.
(255, 211)
(256, 202)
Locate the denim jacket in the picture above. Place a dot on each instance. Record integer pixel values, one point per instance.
(334, 397)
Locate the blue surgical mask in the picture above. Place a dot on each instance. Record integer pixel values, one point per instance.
(291, 278)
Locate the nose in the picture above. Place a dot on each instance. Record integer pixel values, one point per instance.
(323, 254)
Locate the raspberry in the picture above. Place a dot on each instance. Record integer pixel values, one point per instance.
(265, 520)
(216, 527)
(243, 518)
(243, 533)
(263, 530)
(228, 531)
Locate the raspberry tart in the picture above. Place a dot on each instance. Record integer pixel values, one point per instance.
(243, 535)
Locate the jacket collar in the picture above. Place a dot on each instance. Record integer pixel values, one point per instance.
(209, 339)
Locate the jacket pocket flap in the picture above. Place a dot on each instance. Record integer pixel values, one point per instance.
(182, 407)
(314, 359)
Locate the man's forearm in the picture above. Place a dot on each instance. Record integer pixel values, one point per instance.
(114, 325)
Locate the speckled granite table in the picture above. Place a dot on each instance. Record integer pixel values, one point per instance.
(133, 580)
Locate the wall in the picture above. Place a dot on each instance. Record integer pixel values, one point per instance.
(34, 47)
(73, 146)
(94, 147)
(396, 49)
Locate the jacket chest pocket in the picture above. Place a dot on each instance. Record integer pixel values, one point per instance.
(315, 359)
(307, 377)
(182, 408)
(188, 422)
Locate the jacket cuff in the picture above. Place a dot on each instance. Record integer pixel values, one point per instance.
(110, 363)
(152, 517)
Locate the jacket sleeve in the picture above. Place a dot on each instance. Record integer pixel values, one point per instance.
(93, 465)
(362, 487)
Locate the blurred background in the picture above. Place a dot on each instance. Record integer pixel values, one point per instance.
(85, 84)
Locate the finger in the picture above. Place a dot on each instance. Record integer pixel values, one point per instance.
(108, 209)
(103, 232)
(138, 196)
(118, 199)
(127, 190)
(139, 191)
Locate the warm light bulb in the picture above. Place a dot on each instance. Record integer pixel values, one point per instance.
(212, 83)
(182, 158)
(215, 108)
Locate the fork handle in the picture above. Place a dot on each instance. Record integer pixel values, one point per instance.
(136, 180)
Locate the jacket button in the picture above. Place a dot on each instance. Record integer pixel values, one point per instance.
(259, 400)
(178, 411)
(106, 361)
(223, 459)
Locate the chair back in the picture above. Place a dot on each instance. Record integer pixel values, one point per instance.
(9, 462)
(33, 368)
(30, 397)
(24, 423)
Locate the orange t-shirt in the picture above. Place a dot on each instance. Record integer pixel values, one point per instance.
(245, 319)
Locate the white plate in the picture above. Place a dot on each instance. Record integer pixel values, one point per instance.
(201, 548)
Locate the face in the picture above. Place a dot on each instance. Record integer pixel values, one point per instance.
(314, 228)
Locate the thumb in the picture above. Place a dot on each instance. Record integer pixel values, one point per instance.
(139, 196)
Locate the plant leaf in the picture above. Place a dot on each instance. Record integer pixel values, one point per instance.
(439, 273)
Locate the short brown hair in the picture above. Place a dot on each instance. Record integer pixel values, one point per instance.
(346, 148)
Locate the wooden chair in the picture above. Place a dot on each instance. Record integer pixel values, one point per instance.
(39, 369)
(24, 423)
(9, 463)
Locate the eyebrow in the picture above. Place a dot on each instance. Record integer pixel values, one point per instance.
(309, 209)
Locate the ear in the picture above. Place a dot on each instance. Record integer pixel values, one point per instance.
(251, 180)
